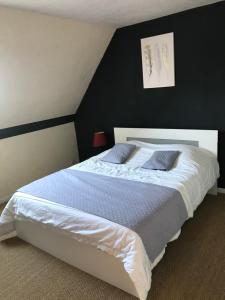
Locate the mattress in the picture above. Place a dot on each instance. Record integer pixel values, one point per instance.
(195, 172)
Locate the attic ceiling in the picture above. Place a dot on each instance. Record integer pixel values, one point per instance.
(46, 65)
(117, 12)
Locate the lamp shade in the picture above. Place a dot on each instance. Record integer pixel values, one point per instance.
(99, 139)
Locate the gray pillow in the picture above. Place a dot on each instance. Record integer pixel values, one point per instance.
(161, 160)
(119, 153)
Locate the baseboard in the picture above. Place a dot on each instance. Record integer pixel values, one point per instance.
(221, 190)
(8, 236)
(5, 199)
(213, 191)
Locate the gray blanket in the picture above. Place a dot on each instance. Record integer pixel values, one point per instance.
(154, 212)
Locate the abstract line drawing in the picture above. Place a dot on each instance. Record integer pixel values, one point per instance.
(158, 61)
(148, 59)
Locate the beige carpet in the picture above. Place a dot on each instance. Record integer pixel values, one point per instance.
(192, 269)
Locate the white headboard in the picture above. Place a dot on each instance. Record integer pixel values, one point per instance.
(207, 139)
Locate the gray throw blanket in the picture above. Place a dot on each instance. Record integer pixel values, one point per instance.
(154, 212)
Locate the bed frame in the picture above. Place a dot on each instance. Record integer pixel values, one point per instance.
(88, 258)
(207, 139)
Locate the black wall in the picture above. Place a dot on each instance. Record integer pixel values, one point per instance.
(116, 96)
(35, 126)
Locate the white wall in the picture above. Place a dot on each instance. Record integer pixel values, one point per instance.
(46, 65)
(27, 157)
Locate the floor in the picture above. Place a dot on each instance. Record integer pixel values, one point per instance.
(193, 267)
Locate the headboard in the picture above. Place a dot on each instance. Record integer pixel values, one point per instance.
(207, 139)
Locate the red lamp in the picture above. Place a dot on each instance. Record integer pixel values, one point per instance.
(99, 139)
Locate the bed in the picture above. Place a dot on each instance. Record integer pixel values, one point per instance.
(97, 245)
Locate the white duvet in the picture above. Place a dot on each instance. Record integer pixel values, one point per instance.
(195, 172)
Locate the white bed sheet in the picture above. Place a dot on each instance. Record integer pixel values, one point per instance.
(194, 174)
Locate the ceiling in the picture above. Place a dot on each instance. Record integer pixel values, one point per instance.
(113, 12)
(46, 65)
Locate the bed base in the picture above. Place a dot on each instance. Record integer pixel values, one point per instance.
(82, 256)
(88, 258)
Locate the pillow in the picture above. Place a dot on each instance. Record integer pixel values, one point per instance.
(161, 160)
(119, 153)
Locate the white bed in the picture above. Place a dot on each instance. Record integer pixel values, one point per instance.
(93, 244)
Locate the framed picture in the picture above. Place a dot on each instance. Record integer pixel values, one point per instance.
(158, 61)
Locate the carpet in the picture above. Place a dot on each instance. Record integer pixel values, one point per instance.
(193, 267)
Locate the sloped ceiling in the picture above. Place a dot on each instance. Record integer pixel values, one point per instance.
(46, 64)
(117, 12)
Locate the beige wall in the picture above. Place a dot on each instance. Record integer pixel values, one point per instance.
(30, 156)
(46, 64)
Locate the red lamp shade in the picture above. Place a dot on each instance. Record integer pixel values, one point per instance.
(99, 139)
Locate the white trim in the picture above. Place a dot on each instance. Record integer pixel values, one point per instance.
(8, 236)
(221, 190)
(214, 190)
(207, 139)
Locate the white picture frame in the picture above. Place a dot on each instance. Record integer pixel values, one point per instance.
(158, 61)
